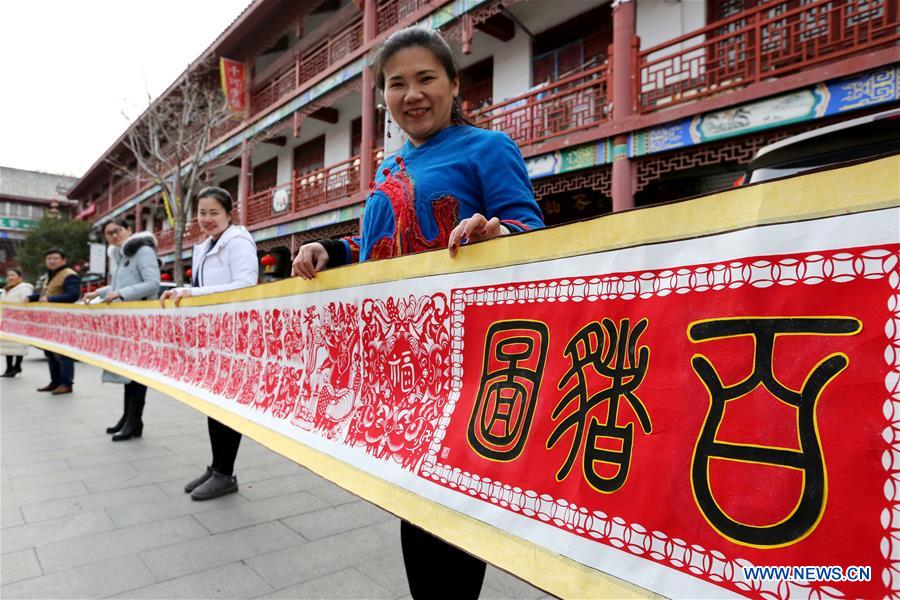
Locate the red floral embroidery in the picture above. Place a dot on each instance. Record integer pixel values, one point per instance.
(408, 237)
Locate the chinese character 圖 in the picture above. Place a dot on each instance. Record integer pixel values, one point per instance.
(515, 352)
(807, 458)
(611, 352)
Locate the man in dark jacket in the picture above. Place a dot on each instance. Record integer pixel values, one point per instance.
(63, 285)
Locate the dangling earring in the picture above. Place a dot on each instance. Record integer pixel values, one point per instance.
(389, 124)
(455, 111)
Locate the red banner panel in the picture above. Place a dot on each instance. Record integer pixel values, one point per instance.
(704, 418)
(234, 84)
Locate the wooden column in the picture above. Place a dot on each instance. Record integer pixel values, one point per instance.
(244, 182)
(367, 147)
(623, 75)
(138, 222)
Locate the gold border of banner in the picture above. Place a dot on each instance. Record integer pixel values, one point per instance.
(858, 188)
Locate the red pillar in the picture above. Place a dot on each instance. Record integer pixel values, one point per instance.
(623, 101)
(244, 182)
(366, 158)
(138, 222)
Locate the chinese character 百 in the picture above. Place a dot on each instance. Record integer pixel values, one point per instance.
(807, 458)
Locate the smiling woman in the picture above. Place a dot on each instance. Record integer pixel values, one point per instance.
(450, 184)
(226, 260)
(419, 93)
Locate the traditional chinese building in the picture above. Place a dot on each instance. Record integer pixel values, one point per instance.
(25, 198)
(613, 104)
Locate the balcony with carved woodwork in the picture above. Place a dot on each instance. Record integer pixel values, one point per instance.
(574, 103)
(769, 41)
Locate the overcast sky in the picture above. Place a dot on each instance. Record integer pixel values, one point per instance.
(73, 66)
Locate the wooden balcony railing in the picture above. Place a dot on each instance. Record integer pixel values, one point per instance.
(771, 40)
(305, 191)
(328, 184)
(122, 192)
(279, 86)
(310, 64)
(166, 239)
(576, 102)
(327, 53)
(224, 127)
(392, 12)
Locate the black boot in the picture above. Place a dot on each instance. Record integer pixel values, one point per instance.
(121, 423)
(133, 427)
(17, 364)
(10, 369)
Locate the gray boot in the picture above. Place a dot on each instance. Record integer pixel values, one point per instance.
(217, 485)
(195, 483)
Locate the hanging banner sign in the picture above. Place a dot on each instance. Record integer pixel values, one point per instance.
(711, 411)
(234, 84)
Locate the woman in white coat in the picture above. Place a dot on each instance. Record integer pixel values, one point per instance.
(16, 290)
(225, 261)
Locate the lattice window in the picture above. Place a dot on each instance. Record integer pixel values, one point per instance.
(598, 179)
(267, 245)
(336, 231)
(739, 151)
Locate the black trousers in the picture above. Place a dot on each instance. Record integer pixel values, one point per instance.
(435, 569)
(136, 391)
(224, 441)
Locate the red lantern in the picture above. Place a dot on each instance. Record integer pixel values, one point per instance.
(269, 260)
(165, 277)
(188, 273)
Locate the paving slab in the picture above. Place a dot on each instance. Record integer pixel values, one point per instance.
(71, 506)
(303, 480)
(19, 565)
(348, 583)
(92, 581)
(197, 555)
(59, 491)
(30, 535)
(261, 511)
(333, 520)
(176, 505)
(234, 580)
(67, 554)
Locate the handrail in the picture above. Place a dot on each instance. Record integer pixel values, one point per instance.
(541, 90)
(774, 38)
(575, 102)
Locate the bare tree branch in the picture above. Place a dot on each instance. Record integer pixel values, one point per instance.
(169, 141)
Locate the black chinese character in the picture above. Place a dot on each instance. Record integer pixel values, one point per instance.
(514, 355)
(807, 459)
(612, 353)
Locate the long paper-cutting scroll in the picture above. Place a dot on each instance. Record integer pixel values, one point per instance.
(657, 400)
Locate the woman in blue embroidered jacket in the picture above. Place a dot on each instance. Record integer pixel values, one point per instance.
(450, 184)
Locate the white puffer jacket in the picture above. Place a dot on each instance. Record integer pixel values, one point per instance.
(230, 265)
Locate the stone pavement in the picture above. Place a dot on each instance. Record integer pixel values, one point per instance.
(83, 517)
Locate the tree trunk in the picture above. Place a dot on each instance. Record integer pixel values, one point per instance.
(179, 238)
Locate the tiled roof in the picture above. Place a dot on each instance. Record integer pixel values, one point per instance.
(34, 184)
